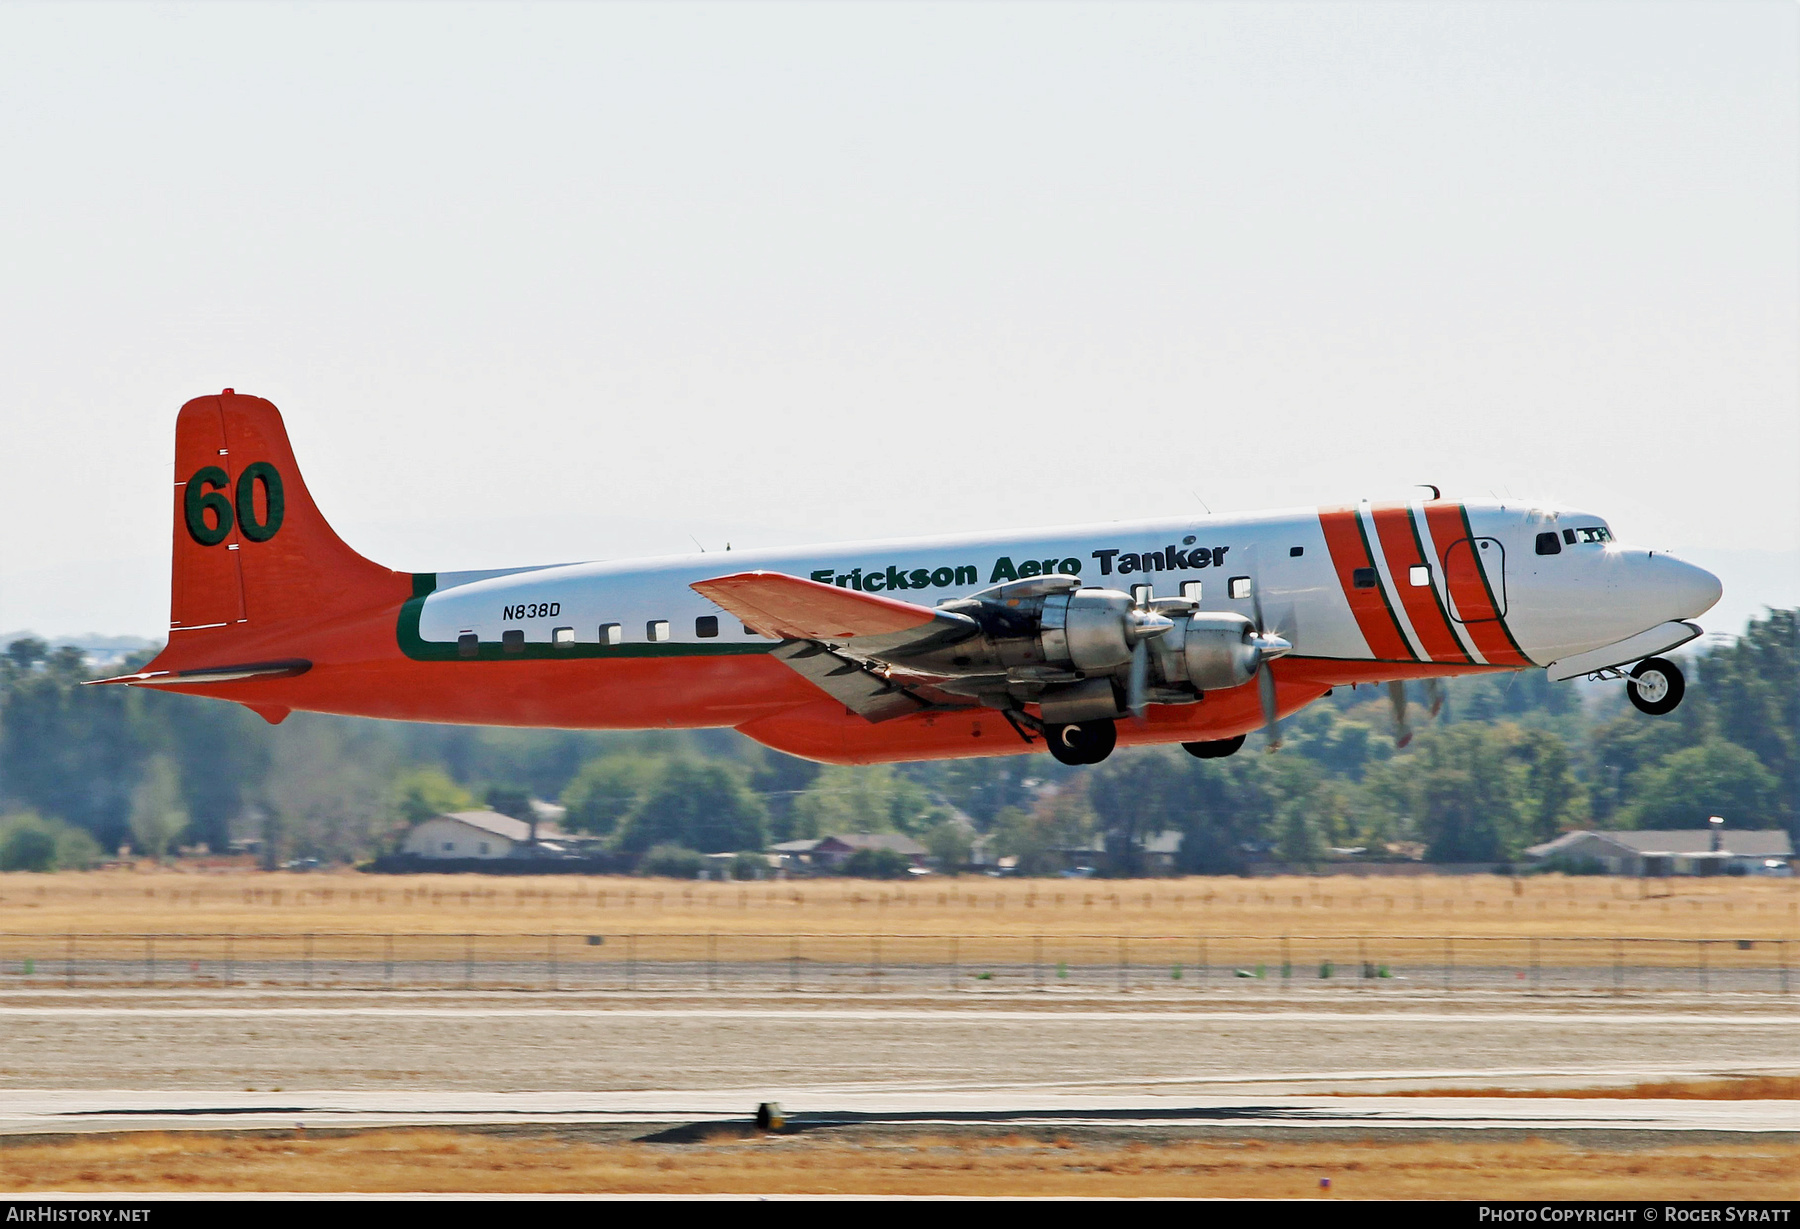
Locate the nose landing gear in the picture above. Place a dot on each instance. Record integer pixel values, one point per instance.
(1655, 686)
(1085, 742)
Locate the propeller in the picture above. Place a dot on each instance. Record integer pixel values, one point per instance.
(1434, 695)
(1143, 624)
(1269, 647)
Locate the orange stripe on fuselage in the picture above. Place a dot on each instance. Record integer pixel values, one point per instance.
(1344, 538)
(1468, 591)
(1400, 543)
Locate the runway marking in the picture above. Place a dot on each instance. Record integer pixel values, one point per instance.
(973, 1015)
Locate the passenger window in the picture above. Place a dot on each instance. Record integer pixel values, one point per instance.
(706, 626)
(1363, 578)
(1294, 552)
(750, 631)
(513, 642)
(1190, 589)
(468, 645)
(563, 637)
(1547, 543)
(1141, 594)
(611, 633)
(1419, 576)
(1240, 587)
(656, 631)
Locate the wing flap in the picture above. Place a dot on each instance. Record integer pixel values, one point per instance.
(794, 609)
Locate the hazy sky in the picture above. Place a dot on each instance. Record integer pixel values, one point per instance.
(541, 283)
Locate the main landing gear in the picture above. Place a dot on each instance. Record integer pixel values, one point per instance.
(1215, 750)
(1084, 742)
(1655, 686)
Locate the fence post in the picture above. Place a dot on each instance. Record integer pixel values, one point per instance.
(69, 963)
(1362, 959)
(468, 962)
(387, 951)
(1618, 965)
(1287, 961)
(874, 963)
(1784, 965)
(794, 963)
(552, 959)
(712, 956)
(309, 954)
(1534, 964)
(1037, 961)
(1124, 962)
(1205, 968)
(1704, 980)
(150, 960)
(1449, 963)
(230, 959)
(631, 962)
(954, 941)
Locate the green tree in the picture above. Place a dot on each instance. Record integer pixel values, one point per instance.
(703, 806)
(417, 794)
(871, 798)
(27, 843)
(951, 843)
(1466, 794)
(671, 862)
(1715, 778)
(606, 790)
(157, 816)
(877, 864)
(1553, 800)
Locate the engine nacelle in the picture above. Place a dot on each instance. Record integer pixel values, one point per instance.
(1219, 650)
(1046, 625)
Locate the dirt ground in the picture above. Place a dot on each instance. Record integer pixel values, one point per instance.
(729, 1162)
(170, 901)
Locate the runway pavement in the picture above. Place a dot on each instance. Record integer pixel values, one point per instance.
(106, 1062)
(61, 1111)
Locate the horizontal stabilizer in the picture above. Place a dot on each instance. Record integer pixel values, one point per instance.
(776, 604)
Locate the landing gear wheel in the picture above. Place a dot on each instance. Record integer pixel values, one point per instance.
(1656, 686)
(1087, 742)
(1217, 749)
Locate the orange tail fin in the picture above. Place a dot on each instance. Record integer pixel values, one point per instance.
(252, 553)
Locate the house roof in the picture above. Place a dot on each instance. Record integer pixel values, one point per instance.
(500, 825)
(1738, 842)
(874, 840)
(795, 846)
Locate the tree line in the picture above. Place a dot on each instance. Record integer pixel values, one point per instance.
(1510, 761)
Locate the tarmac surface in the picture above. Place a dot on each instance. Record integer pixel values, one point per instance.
(241, 1060)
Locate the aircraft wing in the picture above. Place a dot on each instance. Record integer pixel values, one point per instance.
(840, 640)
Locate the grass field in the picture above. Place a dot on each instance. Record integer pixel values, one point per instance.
(171, 901)
(1734, 1088)
(443, 1160)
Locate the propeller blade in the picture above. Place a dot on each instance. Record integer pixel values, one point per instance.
(1265, 691)
(1397, 699)
(1139, 679)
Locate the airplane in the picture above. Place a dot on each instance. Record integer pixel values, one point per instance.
(1193, 631)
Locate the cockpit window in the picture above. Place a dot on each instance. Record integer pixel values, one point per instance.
(1547, 544)
(1594, 533)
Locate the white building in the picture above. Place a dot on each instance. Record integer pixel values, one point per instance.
(472, 834)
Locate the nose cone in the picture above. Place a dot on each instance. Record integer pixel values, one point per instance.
(1689, 591)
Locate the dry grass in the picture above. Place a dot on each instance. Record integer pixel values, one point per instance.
(1737, 1088)
(173, 901)
(425, 1160)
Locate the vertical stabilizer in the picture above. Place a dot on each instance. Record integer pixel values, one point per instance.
(252, 554)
